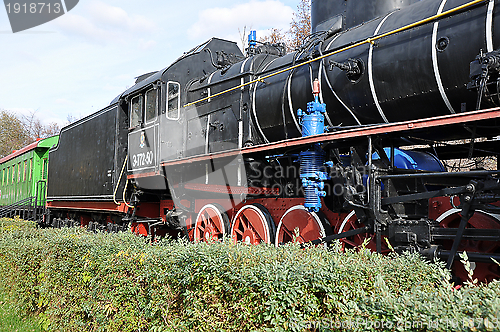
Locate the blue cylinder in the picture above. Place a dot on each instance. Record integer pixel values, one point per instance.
(313, 175)
(312, 162)
(252, 39)
(414, 160)
(313, 124)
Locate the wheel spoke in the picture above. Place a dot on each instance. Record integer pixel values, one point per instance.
(261, 237)
(204, 219)
(244, 221)
(252, 228)
(287, 232)
(256, 233)
(349, 242)
(217, 225)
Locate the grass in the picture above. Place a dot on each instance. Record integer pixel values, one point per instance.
(11, 318)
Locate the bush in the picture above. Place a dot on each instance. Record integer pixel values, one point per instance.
(73, 280)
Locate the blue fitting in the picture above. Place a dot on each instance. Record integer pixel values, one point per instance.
(312, 163)
(312, 120)
(313, 174)
(252, 39)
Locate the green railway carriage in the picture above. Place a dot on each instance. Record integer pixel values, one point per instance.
(23, 173)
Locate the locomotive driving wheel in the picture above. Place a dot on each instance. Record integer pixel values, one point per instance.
(310, 226)
(479, 220)
(253, 224)
(350, 222)
(211, 224)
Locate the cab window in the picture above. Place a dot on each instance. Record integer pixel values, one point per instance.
(173, 100)
(151, 104)
(135, 111)
(45, 168)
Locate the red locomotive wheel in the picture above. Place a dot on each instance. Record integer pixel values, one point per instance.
(253, 224)
(309, 224)
(212, 223)
(139, 229)
(479, 220)
(349, 223)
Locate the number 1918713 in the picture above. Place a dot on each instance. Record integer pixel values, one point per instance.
(33, 8)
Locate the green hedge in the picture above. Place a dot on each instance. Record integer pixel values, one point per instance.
(73, 280)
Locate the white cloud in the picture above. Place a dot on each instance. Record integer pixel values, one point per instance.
(81, 26)
(62, 101)
(100, 22)
(224, 22)
(23, 111)
(105, 15)
(146, 44)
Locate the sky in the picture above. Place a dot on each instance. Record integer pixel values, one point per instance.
(76, 64)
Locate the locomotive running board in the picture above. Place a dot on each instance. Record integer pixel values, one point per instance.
(402, 128)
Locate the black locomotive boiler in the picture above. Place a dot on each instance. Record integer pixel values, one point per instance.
(344, 138)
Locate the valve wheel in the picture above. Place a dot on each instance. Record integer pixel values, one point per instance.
(253, 224)
(212, 224)
(309, 224)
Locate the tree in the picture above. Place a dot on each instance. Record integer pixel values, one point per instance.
(300, 27)
(244, 39)
(35, 129)
(12, 133)
(275, 37)
(19, 131)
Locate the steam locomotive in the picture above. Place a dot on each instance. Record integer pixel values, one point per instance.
(345, 138)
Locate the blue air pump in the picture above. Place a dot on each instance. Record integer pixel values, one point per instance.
(252, 39)
(312, 161)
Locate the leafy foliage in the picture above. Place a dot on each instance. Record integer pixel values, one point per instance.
(73, 280)
(293, 38)
(19, 131)
(11, 134)
(300, 27)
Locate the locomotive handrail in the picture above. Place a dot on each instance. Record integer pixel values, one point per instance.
(124, 189)
(355, 132)
(26, 205)
(438, 174)
(370, 40)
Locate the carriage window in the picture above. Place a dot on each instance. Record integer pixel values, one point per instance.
(31, 167)
(136, 111)
(173, 100)
(151, 104)
(25, 169)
